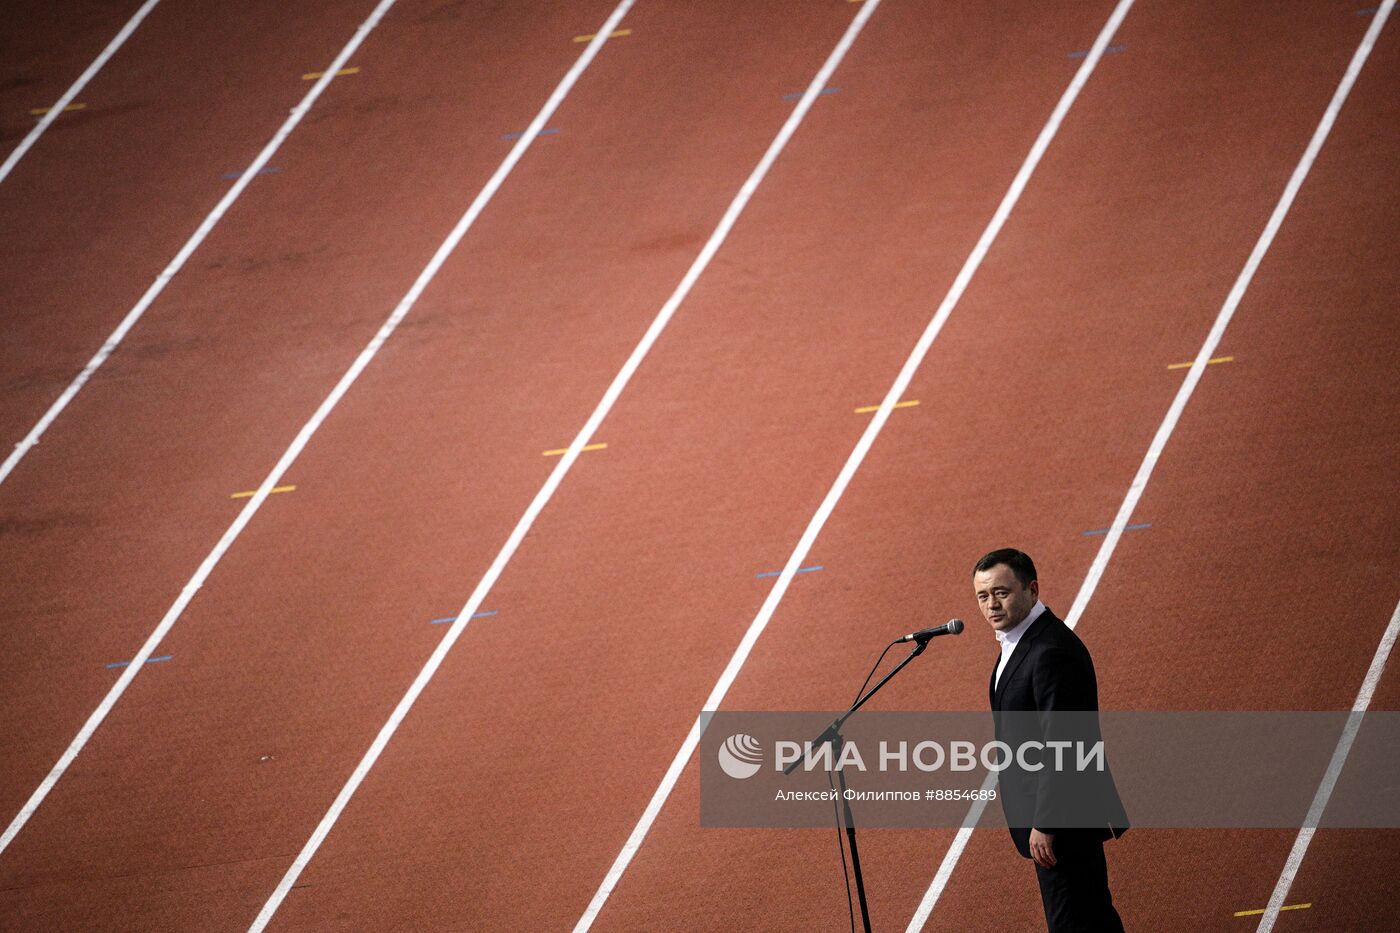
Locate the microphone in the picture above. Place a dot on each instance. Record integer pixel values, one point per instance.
(952, 627)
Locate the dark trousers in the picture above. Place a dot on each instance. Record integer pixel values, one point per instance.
(1075, 892)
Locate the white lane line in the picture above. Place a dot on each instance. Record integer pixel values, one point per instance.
(1334, 771)
(1183, 395)
(303, 436)
(193, 243)
(117, 41)
(585, 435)
(1294, 862)
(473, 604)
(896, 392)
(1242, 283)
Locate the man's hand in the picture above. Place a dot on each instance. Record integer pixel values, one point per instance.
(1042, 852)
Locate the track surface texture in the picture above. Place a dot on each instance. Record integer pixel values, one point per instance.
(234, 778)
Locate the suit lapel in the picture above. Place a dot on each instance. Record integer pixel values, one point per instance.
(1023, 648)
(992, 683)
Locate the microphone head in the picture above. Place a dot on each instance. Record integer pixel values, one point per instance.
(955, 627)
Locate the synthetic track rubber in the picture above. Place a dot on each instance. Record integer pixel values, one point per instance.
(528, 762)
(669, 493)
(1332, 272)
(92, 216)
(501, 361)
(69, 100)
(677, 854)
(241, 367)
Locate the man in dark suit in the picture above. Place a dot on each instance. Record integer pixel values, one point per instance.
(1043, 691)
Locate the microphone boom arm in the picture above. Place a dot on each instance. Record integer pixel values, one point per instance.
(832, 735)
(832, 731)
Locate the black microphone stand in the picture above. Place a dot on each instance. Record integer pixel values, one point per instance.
(832, 735)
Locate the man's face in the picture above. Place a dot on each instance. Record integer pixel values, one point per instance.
(1004, 602)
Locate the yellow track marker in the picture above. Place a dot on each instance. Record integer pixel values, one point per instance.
(313, 75)
(1218, 359)
(253, 492)
(1255, 913)
(869, 408)
(40, 111)
(564, 450)
(611, 35)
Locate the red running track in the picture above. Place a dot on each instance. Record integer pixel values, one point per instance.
(508, 791)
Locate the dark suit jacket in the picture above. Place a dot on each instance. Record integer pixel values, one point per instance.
(1048, 693)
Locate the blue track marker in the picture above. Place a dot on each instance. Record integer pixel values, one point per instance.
(148, 661)
(1084, 53)
(548, 132)
(796, 94)
(479, 615)
(1104, 531)
(265, 170)
(1368, 11)
(774, 573)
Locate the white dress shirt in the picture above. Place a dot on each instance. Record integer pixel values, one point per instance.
(1010, 638)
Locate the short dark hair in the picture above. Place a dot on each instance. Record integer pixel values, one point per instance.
(1019, 562)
